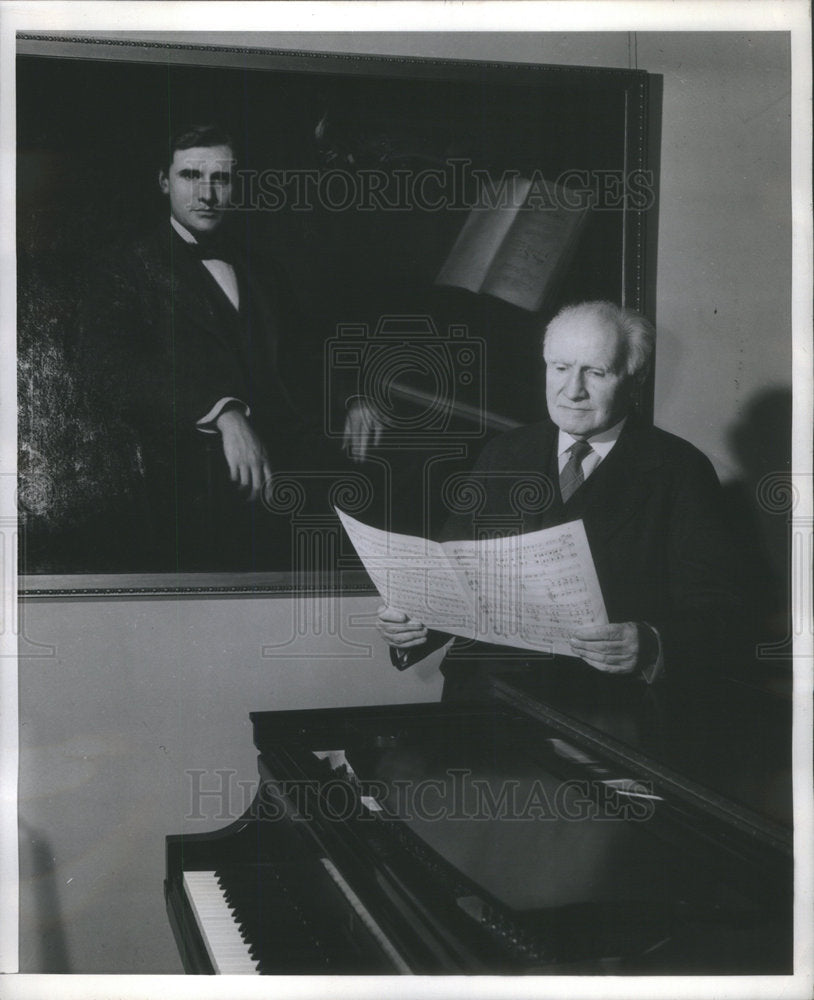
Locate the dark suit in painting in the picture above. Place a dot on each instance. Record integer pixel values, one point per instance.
(161, 346)
(652, 514)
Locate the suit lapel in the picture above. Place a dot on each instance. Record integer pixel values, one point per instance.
(619, 486)
(192, 287)
(538, 456)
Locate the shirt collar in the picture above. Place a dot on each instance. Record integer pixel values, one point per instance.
(184, 233)
(601, 443)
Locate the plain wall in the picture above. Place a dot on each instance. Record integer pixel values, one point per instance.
(137, 693)
(134, 696)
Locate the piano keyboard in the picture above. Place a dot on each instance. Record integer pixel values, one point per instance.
(274, 919)
(228, 951)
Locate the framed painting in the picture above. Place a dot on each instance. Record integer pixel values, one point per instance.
(402, 230)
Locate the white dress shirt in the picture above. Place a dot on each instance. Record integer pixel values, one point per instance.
(220, 270)
(601, 444)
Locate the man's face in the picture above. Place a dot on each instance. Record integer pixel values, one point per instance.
(199, 185)
(588, 388)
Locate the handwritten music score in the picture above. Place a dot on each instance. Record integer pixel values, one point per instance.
(530, 591)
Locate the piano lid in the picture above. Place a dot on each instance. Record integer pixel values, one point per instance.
(730, 737)
(531, 824)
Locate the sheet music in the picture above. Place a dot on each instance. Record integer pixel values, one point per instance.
(529, 591)
(414, 575)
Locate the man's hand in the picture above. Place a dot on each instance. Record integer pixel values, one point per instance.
(620, 648)
(363, 422)
(400, 631)
(244, 452)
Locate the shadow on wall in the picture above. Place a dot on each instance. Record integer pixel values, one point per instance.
(759, 508)
(46, 950)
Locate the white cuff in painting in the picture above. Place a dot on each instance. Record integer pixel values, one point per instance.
(206, 423)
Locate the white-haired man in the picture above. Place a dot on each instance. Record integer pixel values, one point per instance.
(649, 501)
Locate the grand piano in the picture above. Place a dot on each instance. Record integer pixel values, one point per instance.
(569, 823)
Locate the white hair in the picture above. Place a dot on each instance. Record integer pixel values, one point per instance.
(638, 333)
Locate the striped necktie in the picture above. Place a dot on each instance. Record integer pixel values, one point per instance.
(571, 477)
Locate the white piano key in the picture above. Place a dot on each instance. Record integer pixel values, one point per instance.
(227, 949)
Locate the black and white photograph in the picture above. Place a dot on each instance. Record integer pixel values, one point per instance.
(407, 500)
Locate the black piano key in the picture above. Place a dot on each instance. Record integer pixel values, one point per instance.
(275, 918)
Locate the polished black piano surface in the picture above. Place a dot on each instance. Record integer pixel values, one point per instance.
(569, 823)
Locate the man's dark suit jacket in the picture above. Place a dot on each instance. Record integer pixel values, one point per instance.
(161, 345)
(652, 514)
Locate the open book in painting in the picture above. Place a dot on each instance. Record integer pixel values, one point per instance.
(516, 241)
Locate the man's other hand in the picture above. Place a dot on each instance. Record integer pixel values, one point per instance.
(620, 648)
(245, 453)
(400, 631)
(363, 422)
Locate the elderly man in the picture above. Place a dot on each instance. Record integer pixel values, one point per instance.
(649, 501)
(182, 335)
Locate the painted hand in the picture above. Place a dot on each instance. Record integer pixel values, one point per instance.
(245, 453)
(363, 426)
